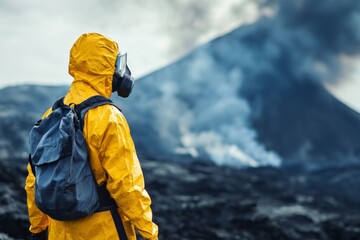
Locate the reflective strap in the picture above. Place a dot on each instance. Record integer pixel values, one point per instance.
(118, 224)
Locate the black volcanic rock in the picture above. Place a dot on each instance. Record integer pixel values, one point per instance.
(13, 211)
(207, 202)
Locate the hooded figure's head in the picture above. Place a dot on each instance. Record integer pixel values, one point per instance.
(93, 59)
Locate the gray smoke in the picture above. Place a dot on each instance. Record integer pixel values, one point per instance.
(304, 40)
(191, 21)
(203, 106)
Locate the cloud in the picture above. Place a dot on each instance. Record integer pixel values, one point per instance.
(195, 22)
(36, 36)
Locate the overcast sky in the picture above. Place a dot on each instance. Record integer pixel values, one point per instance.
(36, 35)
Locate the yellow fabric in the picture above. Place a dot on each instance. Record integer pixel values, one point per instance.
(112, 153)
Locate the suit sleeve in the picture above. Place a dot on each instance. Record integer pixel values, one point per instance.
(125, 178)
(38, 220)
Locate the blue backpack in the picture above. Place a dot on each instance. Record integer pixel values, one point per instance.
(65, 188)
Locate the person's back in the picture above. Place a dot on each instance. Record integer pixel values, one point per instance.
(111, 151)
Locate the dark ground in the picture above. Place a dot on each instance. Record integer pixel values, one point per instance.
(208, 202)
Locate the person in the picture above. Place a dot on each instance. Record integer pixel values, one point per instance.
(111, 150)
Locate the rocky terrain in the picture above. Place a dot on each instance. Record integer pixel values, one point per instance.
(207, 202)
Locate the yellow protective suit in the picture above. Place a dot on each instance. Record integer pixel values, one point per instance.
(111, 150)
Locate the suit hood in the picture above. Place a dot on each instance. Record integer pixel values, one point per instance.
(92, 62)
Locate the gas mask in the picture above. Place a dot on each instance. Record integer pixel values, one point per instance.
(122, 82)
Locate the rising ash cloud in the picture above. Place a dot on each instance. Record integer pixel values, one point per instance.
(312, 36)
(254, 96)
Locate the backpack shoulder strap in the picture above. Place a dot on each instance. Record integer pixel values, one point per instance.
(90, 103)
(58, 103)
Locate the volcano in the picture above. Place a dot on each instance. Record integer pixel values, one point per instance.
(242, 100)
